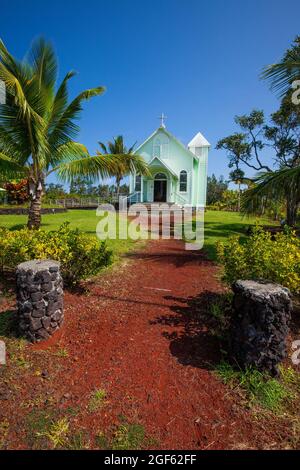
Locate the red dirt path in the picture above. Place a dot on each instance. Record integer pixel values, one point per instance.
(138, 336)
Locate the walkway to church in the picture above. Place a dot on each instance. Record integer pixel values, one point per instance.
(139, 334)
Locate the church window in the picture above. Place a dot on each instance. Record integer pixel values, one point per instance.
(183, 181)
(156, 148)
(138, 183)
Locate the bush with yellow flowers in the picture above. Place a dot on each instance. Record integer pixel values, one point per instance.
(263, 256)
(79, 255)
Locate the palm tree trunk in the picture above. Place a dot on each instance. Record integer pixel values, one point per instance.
(118, 181)
(291, 212)
(35, 194)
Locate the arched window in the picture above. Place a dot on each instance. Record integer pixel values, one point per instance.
(138, 183)
(156, 148)
(161, 147)
(183, 181)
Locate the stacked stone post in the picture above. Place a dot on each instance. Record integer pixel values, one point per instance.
(260, 324)
(39, 299)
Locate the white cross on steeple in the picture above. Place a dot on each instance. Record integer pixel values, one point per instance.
(162, 119)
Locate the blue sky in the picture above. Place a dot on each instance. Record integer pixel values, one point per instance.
(197, 61)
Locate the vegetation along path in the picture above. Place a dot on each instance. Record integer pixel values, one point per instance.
(133, 365)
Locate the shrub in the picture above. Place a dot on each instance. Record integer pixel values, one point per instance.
(80, 256)
(17, 191)
(263, 256)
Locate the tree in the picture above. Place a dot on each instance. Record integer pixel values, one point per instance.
(37, 127)
(230, 200)
(273, 187)
(282, 75)
(245, 147)
(124, 188)
(103, 190)
(282, 135)
(237, 176)
(215, 189)
(117, 147)
(53, 191)
(80, 185)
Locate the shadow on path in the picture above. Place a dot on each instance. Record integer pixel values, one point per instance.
(196, 341)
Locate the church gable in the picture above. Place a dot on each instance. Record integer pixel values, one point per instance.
(165, 146)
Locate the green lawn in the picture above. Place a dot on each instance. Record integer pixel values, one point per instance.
(219, 225)
(85, 220)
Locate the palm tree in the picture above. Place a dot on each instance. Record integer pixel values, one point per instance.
(282, 75)
(117, 147)
(237, 177)
(274, 186)
(37, 128)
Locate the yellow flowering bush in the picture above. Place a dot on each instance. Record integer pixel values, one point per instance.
(263, 256)
(79, 255)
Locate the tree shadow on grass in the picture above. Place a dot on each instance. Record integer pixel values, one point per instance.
(21, 226)
(201, 336)
(17, 227)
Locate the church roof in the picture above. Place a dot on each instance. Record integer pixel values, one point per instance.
(163, 164)
(199, 141)
(171, 136)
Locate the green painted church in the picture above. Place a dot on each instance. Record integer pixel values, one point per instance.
(178, 173)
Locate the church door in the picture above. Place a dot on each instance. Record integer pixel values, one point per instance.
(160, 188)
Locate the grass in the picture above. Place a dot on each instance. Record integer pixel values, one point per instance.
(62, 352)
(97, 400)
(79, 441)
(4, 428)
(57, 433)
(46, 430)
(260, 389)
(38, 423)
(219, 225)
(127, 436)
(85, 220)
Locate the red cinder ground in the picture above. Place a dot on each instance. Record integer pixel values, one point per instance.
(137, 334)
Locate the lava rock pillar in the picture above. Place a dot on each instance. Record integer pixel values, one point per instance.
(39, 299)
(260, 324)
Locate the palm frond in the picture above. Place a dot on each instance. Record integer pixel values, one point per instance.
(131, 149)
(9, 144)
(44, 63)
(23, 98)
(103, 146)
(101, 166)
(271, 186)
(93, 167)
(65, 129)
(9, 168)
(60, 102)
(66, 153)
(282, 75)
